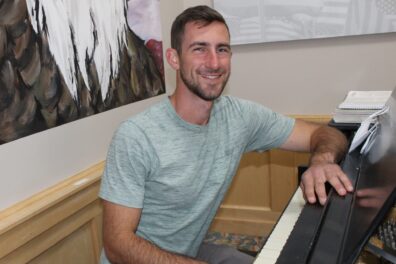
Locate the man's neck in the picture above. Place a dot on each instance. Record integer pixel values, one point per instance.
(191, 109)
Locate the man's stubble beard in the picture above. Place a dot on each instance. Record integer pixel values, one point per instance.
(196, 89)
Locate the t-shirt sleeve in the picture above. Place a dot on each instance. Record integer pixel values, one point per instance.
(128, 165)
(266, 129)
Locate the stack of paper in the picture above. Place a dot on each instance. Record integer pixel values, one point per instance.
(358, 105)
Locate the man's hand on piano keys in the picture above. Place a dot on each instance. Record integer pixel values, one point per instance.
(314, 178)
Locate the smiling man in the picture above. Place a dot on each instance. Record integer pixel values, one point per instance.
(169, 167)
(204, 66)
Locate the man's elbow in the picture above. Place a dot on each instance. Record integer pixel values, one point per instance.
(111, 251)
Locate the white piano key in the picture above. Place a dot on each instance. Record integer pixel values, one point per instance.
(279, 235)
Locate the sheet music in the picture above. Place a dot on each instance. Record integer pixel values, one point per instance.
(365, 100)
(365, 132)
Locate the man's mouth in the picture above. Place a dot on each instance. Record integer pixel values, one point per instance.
(211, 75)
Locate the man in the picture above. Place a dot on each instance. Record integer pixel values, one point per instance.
(169, 167)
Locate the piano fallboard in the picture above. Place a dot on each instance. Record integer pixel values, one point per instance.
(336, 232)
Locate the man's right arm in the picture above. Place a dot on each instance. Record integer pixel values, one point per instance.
(121, 245)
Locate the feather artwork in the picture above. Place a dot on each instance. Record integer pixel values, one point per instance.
(61, 60)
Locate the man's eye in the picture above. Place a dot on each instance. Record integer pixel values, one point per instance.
(199, 49)
(224, 50)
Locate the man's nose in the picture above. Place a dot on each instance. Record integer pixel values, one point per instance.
(212, 60)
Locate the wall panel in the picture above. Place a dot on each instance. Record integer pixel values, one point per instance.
(61, 223)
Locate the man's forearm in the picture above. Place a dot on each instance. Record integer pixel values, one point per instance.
(133, 249)
(327, 145)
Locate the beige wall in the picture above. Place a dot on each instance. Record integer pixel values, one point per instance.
(299, 77)
(312, 76)
(36, 162)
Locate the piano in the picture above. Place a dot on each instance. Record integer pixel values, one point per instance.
(338, 231)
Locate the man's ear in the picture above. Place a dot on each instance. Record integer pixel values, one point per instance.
(173, 58)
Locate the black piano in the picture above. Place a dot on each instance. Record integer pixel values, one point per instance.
(338, 231)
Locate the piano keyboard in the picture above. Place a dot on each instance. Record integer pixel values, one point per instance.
(279, 235)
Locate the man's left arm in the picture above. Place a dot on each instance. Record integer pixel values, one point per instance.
(327, 146)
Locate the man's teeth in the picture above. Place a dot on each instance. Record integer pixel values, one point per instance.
(211, 76)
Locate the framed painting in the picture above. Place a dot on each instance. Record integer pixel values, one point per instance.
(256, 21)
(62, 60)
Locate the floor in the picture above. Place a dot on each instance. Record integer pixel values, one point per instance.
(253, 244)
(248, 244)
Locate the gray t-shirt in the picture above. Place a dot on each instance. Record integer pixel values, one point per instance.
(179, 172)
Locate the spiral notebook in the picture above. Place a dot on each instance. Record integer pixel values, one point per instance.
(365, 100)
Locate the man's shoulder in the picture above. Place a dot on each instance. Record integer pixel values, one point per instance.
(227, 101)
(141, 122)
(236, 103)
(149, 115)
(230, 99)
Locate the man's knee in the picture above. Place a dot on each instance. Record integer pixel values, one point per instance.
(233, 256)
(221, 254)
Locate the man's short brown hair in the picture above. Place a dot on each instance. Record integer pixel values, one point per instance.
(201, 14)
